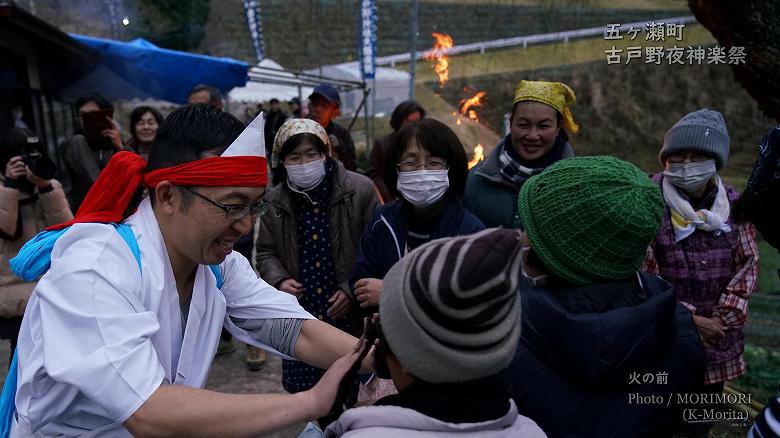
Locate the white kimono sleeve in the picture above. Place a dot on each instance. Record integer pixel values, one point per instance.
(94, 329)
(251, 298)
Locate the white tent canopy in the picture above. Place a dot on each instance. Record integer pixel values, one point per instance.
(391, 87)
(255, 91)
(268, 79)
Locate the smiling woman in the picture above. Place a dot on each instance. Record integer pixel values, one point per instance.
(540, 125)
(144, 121)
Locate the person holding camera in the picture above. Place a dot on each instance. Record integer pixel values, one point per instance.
(30, 200)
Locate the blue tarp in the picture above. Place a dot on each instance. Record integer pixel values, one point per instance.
(141, 69)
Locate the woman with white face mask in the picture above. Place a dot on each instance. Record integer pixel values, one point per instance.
(427, 166)
(710, 259)
(307, 242)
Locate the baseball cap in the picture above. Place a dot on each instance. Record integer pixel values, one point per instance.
(328, 92)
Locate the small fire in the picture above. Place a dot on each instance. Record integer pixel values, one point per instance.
(437, 55)
(478, 156)
(467, 105)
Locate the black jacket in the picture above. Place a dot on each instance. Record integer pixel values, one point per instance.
(582, 350)
(347, 147)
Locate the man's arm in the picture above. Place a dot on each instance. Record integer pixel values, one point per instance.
(320, 344)
(181, 411)
(250, 300)
(55, 205)
(9, 210)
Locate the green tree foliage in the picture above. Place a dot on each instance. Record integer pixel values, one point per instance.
(174, 24)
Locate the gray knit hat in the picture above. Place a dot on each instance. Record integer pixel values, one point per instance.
(702, 131)
(450, 309)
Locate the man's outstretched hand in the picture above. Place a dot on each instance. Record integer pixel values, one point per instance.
(324, 394)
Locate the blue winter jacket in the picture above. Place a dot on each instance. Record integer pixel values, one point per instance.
(384, 238)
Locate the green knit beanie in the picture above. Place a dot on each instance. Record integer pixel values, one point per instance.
(591, 219)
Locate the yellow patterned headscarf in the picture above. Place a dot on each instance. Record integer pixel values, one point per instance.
(555, 94)
(294, 127)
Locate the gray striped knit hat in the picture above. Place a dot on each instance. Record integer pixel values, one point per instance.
(450, 309)
(702, 131)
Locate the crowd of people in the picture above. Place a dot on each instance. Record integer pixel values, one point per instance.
(524, 297)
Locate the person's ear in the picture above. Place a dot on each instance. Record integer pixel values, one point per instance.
(401, 377)
(167, 198)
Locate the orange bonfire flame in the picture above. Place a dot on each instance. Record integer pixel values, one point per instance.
(477, 156)
(437, 55)
(467, 105)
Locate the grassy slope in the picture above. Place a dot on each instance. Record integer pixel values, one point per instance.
(518, 59)
(769, 279)
(300, 40)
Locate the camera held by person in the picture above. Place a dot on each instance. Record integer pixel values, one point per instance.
(26, 166)
(38, 164)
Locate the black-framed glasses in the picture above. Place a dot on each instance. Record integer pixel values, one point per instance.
(412, 165)
(235, 212)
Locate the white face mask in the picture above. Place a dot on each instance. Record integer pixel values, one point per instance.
(306, 176)
(423, 187)
(690, 177)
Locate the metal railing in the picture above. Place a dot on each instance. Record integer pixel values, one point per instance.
(529, 39)
(277, 76)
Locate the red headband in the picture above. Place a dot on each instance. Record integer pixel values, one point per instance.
(110, 195)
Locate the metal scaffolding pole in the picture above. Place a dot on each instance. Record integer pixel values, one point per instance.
(413, 48)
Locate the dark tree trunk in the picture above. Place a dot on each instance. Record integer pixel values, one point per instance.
(755, 25)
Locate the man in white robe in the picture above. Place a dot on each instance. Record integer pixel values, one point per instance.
(107, 349)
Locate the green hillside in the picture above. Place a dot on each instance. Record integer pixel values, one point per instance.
(326, 31)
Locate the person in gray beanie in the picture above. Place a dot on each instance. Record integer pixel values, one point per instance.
(698, 225)
(449, 313)
(702, 131)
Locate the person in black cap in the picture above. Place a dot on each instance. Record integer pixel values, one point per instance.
(274, 120)
(324, 103)
(295, 108)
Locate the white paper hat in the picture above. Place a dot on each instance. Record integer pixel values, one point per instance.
(251, 142)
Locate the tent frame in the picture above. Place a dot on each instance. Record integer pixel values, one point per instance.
(270, 75)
